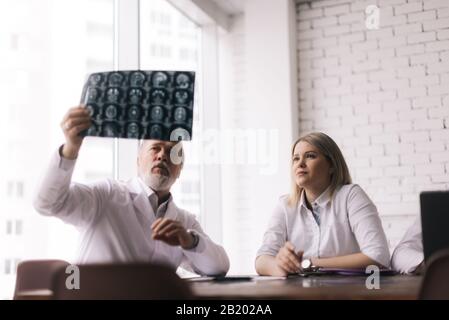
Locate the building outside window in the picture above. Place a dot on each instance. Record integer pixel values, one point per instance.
(47, 48)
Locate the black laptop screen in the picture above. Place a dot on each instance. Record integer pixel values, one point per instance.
(435, 221)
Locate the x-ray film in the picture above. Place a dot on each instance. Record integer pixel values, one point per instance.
(140, 104)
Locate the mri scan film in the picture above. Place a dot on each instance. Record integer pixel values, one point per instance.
(140, 104)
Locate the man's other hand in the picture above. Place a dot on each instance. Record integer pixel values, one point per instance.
(172, 233)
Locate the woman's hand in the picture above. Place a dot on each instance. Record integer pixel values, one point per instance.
(287, 261)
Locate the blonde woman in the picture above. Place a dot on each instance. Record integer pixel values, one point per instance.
(326, 221)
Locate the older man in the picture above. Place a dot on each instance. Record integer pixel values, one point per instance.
(136, 221)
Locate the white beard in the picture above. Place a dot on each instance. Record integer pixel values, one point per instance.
(157, 182)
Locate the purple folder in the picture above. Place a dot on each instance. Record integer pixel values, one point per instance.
(350, 272)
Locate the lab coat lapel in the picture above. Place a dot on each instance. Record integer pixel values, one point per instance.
(145, 214)
(172, 211)
(141, 204)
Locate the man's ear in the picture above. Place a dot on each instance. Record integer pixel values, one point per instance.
(180, 169)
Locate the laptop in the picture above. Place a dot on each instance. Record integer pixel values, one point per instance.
(434, 221)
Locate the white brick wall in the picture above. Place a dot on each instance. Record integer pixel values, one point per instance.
(383, 95)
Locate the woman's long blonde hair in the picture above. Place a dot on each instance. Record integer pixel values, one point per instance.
(340, 174)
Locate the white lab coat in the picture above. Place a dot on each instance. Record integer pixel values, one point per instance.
(408, 254)
(115, 219)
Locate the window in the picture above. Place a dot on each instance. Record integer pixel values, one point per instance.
(14, 42)
(7, 266)
(50, 47)
(19, 189)
(15, 225)
(15, 189)
(187, 54)
(8, 227)
(158, 50)
(19, 227)
(10, 266)
(163, 54)
(47, 48)
(10, 189)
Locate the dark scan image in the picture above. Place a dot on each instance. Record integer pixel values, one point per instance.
(140, 104)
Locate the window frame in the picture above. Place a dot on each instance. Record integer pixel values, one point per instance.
(127, 56)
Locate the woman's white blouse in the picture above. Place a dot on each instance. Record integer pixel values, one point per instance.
(349, 223)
